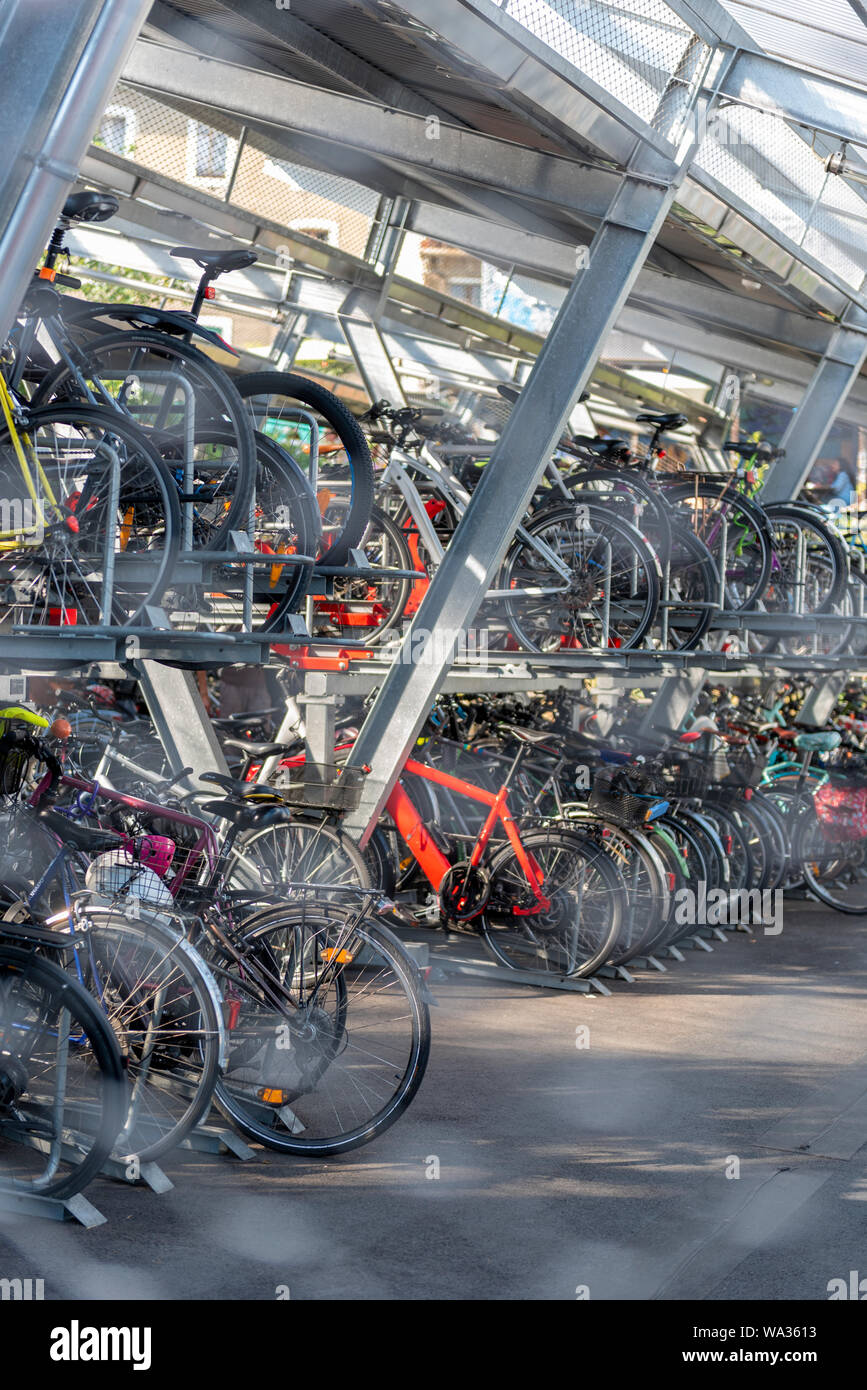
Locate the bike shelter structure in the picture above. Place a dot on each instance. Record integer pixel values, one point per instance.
(576, 169)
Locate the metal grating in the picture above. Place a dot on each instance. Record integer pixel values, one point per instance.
(641, 52)
(213, 153)
(774, 171)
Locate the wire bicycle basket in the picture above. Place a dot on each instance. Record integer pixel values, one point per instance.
(322, 786)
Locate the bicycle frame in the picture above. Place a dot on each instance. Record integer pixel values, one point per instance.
(436, 472)
(428, 855)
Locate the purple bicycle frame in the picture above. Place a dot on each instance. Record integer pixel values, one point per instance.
(206, 844)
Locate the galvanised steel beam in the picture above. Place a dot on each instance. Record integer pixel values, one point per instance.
(562, 369)
(60, 59)
(575, 107)
(821, 103)
(407, 140)
(336, 63)
(809, 427)
(699, 299)
(580, 110)
(135, 181)
(357, 319)
(185, 730)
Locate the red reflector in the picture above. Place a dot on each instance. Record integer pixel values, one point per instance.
(210, 292)
(671, 882)
(72, 525)
(233, 1013)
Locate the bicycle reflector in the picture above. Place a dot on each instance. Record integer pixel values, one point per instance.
(271, 1095)
(331, 953)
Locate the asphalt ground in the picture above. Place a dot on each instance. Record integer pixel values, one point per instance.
(646, 1157)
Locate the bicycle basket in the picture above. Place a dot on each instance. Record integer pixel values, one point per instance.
(321, 786)
(611, 803)
(744, 768)
(689, 779)
(117, 874)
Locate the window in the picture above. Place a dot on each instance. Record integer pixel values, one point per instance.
(318, 228)
(212, 150)
(467, 288)
(210, 153)
(116, 131)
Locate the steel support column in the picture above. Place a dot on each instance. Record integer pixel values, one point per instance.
(561, 372)
(808, 429)
(180, 719)
(61, 59)
(357, 319)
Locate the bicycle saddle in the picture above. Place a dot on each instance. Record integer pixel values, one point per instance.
(671, 421)
(823, 742)
(89, 206)
(256, 750)
(533, 736)
(597, 445)
(229, 784)
(79, 836)
(240, 811)
(216, 262)
(748, 451)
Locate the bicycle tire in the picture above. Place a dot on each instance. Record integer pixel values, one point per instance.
(367, 609)
(374, 939)
(144, 483)
(756, 574)
(510, 890)
(590, 533)
(100, 1044)
(185, 1051)
(348, 431)
(218, 403)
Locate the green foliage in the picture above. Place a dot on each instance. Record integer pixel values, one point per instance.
(103, 291)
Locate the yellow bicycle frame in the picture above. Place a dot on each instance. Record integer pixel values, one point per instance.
(9, 539)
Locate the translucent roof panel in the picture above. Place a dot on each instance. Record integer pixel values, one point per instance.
(826, 35)
(641, 52)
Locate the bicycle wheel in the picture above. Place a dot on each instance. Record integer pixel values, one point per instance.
(578, 930)
(611, 596)
(284, 519)
(809, 576)
(96, 525)
(735, 531)
(165, 1011)
(190, 411)
(62, 1088)
(367, 608)
(293, 411)
(343, 1059)
(693, 592)
(648, 900)
(835, 870)
(301, 850)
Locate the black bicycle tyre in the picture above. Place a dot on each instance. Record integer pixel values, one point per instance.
(351, 435)
(105, 1051)
(236, 413)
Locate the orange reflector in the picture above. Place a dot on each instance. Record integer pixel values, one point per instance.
(270, 1097)
(46, 273)
(342, 957)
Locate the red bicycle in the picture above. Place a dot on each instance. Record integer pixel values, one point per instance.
(542, 898)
